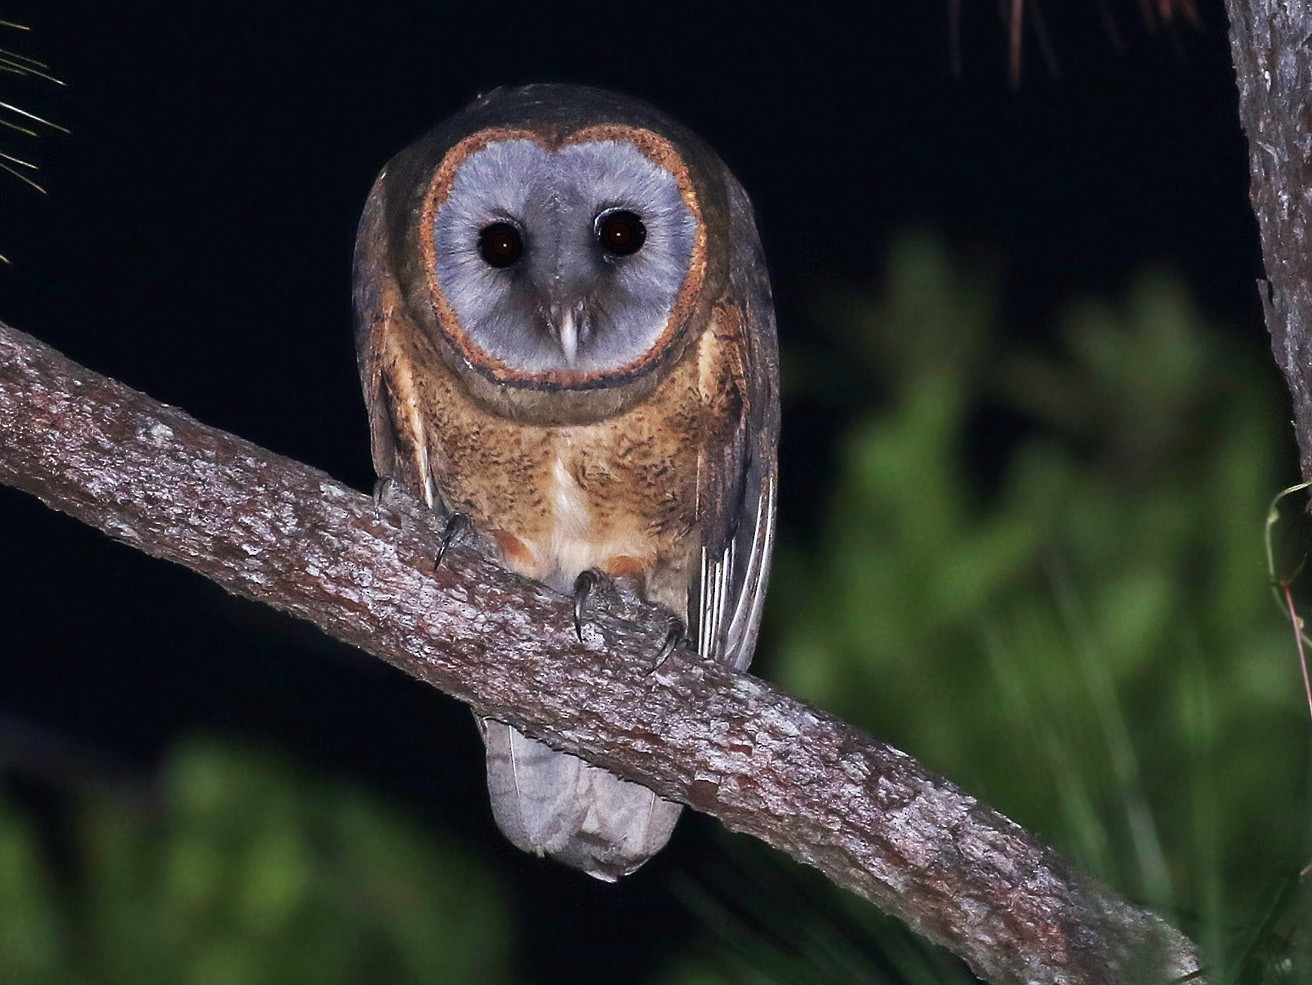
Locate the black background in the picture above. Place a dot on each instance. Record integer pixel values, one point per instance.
(196, 242)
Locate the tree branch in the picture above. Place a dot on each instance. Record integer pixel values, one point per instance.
(868, 816)
(1270, 43)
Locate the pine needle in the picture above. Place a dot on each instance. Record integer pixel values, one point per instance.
(24, 123)
(20, 176)
(1155, 14)
(31, 116)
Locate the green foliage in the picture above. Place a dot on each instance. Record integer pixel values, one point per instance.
(1085, 639)
(248, 873)
(28, 929)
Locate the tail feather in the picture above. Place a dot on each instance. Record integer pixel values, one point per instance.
(552, 803)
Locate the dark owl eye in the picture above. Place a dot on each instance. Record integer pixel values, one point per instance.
(620, 233)
(500, 244)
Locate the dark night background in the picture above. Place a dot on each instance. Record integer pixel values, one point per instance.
(196, 243)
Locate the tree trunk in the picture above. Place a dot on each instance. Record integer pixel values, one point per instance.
(1271, 44)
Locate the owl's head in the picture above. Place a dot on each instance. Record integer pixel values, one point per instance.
(555, 238)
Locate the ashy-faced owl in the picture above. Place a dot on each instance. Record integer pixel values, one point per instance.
(565, 335)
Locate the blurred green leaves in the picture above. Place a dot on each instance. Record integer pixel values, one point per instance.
(29, 939)
(244, 873)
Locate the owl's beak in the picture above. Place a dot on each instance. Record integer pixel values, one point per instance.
(567, 331)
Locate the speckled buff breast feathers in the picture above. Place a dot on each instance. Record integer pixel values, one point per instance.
(567, 347)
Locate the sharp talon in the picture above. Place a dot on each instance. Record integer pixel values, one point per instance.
(382, 489)
(583, 586)
(456, 525)
(674, 639)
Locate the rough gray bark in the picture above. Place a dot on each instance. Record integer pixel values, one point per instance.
(1271, 44)
(868, 816)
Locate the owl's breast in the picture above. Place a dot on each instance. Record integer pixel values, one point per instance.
(622, 497)
(619, 494)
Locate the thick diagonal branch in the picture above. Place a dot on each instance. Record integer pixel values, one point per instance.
(868, 816)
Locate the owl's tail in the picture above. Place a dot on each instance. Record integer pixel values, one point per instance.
(552, 803)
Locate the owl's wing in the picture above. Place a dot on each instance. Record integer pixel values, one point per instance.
(372, 284)
(738, 480)
(400, 451)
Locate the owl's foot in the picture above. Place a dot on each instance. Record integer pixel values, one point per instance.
(676, 637)
(455, 531)
(583, 586)
(386, 492)
(594, 587)
(592, 582)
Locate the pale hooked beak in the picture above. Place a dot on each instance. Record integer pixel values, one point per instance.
(565, 322)
(569, 337)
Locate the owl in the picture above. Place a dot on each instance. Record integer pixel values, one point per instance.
(567, 345)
